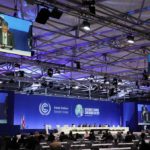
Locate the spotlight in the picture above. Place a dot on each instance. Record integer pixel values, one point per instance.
(137, 84)
(42, 16)
(77, 64)
(21, 73)
(50, 72)
(76, 87)
(50, 84)
(44, 84)
(111, 92)
(55, 13)
(86, 25)
(145, 75)
(11, 81)
(88, 2)
(105, 79)
(115, 81)
(92, 9)
(130, 39)
(17, 65)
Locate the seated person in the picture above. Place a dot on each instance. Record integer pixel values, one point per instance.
(51, 137)
(78, 136)
(55, 145)
(109, 137)
(119, 137)
(86, 135)
(71, 136)
(128, 137)
(105, 135)
(63, 137)
(92, 136)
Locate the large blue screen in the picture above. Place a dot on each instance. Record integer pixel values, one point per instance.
(40, 110)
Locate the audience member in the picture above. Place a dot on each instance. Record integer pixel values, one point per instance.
(109, 137)
(71, 136)
(55, 145)
(143, 144)
(128, 137)
(119, 137)
(86, 135)
(92, 136)
(51, 137)
(63, 136)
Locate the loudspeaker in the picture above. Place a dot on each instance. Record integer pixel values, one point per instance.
(55, 13)
(42, 16)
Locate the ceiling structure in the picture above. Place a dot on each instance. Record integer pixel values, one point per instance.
(96, 64)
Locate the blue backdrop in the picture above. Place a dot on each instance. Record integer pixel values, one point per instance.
(3, 107)
(40, 110)
(130, 115)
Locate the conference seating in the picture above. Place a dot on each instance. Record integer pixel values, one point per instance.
(44, 146)
(102, 145)
(65, 142)
(116, 148)
(125, 144)
(77, 145)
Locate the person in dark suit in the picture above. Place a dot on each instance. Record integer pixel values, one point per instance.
(144, 114)
(6, 37)
(51, 137)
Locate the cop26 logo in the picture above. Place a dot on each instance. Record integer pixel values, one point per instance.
(79, 111)
(44, 109)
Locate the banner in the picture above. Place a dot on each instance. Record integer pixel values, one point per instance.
(56, 111)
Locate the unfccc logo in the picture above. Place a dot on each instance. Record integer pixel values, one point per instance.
(44, 109)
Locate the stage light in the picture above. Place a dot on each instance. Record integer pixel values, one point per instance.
(17, 65)
(86, 25)
(92, 9)
(115, 81)
(137, 84)
(11, 81)
(50, 84)
(145, 75)
(77, 64)
(130, 39)
(50, 72)
(44, 84)
(111, 92)
(43, 16)
(88, 2)
(56, 13)
(21, 73)
(76, 87)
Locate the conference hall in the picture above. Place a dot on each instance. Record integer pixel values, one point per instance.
(74, 75)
